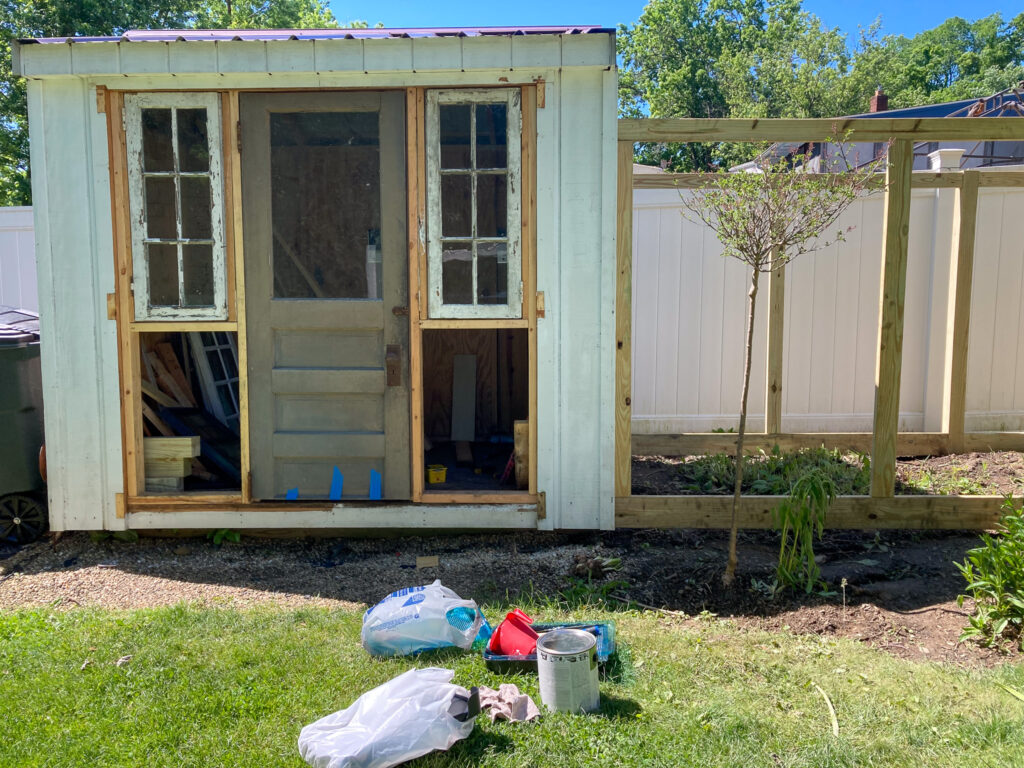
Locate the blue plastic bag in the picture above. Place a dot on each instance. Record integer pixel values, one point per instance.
(418, 619)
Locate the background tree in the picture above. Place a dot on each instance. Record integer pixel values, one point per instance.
(68, 18)
(765, 220)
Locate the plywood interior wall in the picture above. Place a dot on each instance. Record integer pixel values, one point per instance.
(502, 392)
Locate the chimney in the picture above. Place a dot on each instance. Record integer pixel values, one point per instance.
(879, 102)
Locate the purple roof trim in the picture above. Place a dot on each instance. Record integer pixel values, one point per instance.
(199, 35)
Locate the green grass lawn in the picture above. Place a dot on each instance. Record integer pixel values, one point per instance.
(221, 687)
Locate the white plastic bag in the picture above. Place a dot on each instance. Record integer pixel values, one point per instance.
(420, 619)
(398, 721)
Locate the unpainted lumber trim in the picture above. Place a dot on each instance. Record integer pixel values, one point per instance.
(690, 129)
(847, 512)
(413, 138)
(896, 233)
(958, 324)
(774, 358)
(984, 442)
(700, 443)
(623, 320)
(533, 98)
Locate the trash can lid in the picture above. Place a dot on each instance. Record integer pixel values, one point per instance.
(18, 327)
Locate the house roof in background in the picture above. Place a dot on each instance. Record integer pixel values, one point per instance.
(1005, 104)
(208, 35)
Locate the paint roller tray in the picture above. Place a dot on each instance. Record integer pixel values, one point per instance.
(510, 665)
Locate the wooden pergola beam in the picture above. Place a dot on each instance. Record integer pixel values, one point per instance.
(920, 180)
(688, 129)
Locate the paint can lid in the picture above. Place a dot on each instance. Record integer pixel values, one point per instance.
(566, 642)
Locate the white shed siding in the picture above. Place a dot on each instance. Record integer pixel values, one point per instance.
(575, 237)
(17, 259)
(75, 262)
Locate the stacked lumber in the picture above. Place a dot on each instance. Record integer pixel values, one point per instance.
(169, 461)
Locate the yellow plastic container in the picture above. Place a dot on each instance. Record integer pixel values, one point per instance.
(436, 473)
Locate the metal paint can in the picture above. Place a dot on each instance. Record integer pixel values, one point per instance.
(567, 669)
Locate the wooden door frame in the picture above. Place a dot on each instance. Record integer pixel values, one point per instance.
(418, 321)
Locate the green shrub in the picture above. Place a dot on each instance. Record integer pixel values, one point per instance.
(801, 518)
(774, 473)
(995, 579)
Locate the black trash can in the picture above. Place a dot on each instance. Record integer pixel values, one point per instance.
(22, 488)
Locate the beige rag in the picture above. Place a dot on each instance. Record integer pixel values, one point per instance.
(507, 703)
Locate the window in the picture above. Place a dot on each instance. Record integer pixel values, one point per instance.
(474, 254)
(176, 195)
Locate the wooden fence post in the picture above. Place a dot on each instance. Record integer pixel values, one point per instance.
(899, 171)
(623, 321)
(773, 385)
(961, 275)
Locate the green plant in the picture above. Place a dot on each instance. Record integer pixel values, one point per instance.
(995, 579)
(800, 518)
(586, 592)
(221, 535)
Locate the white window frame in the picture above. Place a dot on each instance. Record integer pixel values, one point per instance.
(436, 308)
(133, 106)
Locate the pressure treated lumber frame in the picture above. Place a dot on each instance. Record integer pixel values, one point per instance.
(882, 509)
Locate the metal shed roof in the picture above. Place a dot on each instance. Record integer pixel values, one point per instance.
(207, 35)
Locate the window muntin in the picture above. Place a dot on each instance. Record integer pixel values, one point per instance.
(175, 184)
(474, 253)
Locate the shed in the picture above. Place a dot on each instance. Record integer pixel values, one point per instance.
(287, 275)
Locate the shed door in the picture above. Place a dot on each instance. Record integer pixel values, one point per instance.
(326, 278)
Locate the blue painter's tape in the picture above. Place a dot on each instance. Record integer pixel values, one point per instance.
(292, 495)
(337, 484)
(375, 484)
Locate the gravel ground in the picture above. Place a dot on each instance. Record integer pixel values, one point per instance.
(75, 571)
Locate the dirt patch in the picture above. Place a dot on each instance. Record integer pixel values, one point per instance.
(900, 593)
(994, 473)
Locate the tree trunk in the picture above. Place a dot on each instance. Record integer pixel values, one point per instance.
(730, 570)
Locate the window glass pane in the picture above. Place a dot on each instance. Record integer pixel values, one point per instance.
(491, 136)
(163, 274)
(226, 401)
(457, 273)
(325, 204)
(216, 369)
(207, 338)
(456, 206)
(196, 210)
(491, 204)
(230, 365)
(161, 214)
(157, 151)
(492, 273)
(193, 145)
(454, 119)
(197, 263)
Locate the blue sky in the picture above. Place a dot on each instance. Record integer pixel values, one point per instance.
(898, 16)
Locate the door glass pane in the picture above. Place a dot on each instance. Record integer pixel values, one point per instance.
(456, 206)
(454, 119)
(163, 274)
(325, 204)
(197, 262)
(161, 214)
(492, 273)
(457, 273)
(193, 147)
(491, 136)
(195, 208)
(491, 211)
(157, 149)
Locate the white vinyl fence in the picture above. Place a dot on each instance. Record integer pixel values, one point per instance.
(17, 259)
(689, 310)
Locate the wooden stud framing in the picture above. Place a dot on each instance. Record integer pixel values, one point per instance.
(481, 497)
(236, 256)
(472, 323)
(920, 180)
(183, 327)
(683, 129)
(773, 384)
(129, 367)
(416, 220)
(851, 512)
(890, 321)
(624, 320)
(531, 100)
(961, 275)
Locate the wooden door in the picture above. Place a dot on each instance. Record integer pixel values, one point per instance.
(326, 282)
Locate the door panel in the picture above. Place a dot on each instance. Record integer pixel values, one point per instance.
(323, 191)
